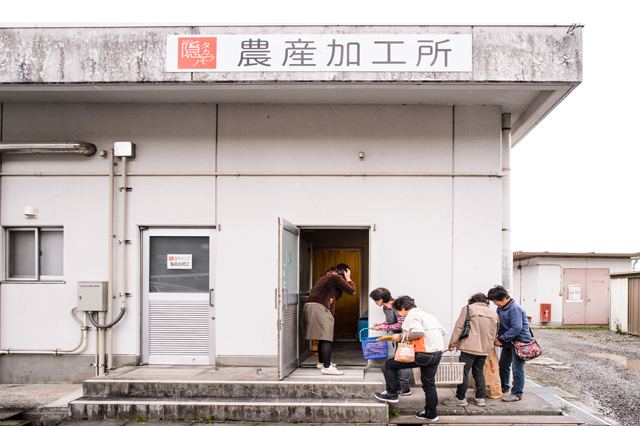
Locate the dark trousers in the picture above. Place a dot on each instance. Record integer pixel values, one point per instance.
(428, 364)
(475, 363)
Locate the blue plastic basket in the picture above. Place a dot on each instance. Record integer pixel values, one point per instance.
(372, 349)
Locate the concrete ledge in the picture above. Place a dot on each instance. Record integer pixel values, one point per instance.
(246, 361)
(228, 389)
(530, 405)
(262, 410)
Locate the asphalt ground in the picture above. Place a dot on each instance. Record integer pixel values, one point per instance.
(611, 387)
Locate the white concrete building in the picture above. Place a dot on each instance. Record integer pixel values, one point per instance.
(576, 286)
(261, 154)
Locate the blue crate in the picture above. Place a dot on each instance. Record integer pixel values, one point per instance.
(372, 349)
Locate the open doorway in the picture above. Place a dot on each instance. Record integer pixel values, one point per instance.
(321, 248)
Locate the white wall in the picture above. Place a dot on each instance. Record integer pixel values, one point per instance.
(619, 307)
(167, 138)
(436, 239)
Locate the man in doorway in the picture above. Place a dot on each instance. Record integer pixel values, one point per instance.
(382, 297)
(514, 327)
(318, 317)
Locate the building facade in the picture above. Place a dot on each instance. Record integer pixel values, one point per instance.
(246, 160)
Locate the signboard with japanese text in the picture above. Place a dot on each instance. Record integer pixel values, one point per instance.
(575, 293)
(179, 261)
(320, 52)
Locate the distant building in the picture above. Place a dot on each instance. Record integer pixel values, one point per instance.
(575, 285)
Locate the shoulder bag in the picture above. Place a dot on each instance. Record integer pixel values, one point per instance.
(405, 352)
(467, 326)
(527, 351)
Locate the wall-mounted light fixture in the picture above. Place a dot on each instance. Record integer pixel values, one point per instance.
(361, 155)
(30, 212)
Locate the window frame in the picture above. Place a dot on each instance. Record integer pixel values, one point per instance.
(37, 278)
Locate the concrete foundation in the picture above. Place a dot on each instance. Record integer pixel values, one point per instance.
(46, 369)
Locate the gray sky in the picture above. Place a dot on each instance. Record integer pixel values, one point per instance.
(575, 184)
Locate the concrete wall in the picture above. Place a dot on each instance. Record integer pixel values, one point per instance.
(117, 55)
(443, 231)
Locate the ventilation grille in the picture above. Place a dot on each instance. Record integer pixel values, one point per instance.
(178, 328)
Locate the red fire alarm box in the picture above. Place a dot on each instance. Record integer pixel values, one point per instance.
(545, 312)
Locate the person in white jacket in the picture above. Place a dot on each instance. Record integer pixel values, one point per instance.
(425, 332)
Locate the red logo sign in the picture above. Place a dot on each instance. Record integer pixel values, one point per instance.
(197, 52)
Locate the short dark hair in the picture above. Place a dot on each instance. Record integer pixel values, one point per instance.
(478, 297)
(404, 302)
(498, 293)
(332, 269)
(381, 293)
(341, 268)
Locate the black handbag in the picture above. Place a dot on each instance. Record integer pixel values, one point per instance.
(467, 326)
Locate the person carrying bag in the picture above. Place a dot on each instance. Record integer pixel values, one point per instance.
(473, 335)
(514, 328)
(424, 332)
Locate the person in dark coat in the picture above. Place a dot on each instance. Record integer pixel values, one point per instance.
(317, 313)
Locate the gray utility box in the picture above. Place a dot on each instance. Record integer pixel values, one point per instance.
(92, 296)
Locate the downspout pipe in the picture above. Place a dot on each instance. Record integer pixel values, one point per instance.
(110, 239)
(507, 253)
(123, 232)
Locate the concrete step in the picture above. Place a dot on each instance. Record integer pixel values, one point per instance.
(319, 389)
(284, 410)
(490, 420)
(15, 422)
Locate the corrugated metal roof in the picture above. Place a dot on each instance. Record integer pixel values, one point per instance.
(629, 274)
(519, 255)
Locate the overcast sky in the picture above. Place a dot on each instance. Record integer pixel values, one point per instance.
(576, 176)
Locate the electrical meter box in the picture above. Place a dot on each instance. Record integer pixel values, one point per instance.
(92, 296)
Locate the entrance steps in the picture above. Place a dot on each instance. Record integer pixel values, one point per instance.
(305, 397)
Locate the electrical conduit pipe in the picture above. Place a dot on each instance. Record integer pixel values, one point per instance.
(77, 349)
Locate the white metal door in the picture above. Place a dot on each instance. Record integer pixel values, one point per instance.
(178, 309)
(288, 298)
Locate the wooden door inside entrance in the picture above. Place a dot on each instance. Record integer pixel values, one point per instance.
(347, 309)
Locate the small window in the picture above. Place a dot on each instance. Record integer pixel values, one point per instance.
(34, 254)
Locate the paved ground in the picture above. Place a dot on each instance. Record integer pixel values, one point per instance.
(610, 386)
(27, 397)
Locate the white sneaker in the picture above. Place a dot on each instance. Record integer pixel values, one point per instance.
(320, 365)
(331, 370)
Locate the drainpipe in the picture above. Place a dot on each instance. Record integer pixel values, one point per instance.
(507, 254)
(123, 233)
(100, 337)
(110, 240)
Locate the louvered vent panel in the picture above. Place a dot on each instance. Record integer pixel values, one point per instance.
(178, 328)
(289, 334)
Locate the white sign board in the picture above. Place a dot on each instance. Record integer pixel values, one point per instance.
(179, 261)
(320, 52)
(575, 292)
